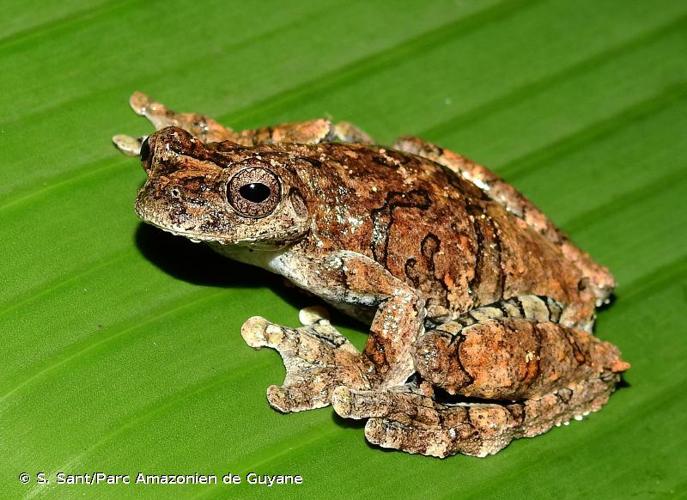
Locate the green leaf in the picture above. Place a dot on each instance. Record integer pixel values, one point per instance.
(120, 345)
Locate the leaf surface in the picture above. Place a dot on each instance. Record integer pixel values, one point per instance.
(120, 345)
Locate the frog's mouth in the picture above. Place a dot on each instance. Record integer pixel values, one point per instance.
(193, 237)
(172, 219)
(199, 234)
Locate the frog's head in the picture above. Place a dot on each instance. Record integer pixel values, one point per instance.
(221, 193)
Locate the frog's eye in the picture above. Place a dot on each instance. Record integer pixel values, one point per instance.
(254, 192)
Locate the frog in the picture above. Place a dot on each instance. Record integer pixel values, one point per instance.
(479, 310)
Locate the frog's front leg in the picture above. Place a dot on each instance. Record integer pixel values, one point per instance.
(399, 317)
(318, 358)
(209, 130)
(201, 126)
(307, 132)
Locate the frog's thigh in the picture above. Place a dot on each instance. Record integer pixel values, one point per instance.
(414, 423)
(203, 127)
(512, 358)
(317, 359)
(516, 203)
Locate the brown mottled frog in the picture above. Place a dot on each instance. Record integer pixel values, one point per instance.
(480, 309)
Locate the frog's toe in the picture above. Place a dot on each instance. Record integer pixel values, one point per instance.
(411, 438)
(399, 403)
(298, 397)
(316, 344)
(312, 315)
(139, 102)
(342, 401)
(349, 403)
(311, 384)
(254, 332)
(317, 359)
(347, 132)
(279, 398)
(288, 399)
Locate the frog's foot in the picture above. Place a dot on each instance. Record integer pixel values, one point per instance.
(412, 422)
(201, 126)
(317, 359)
(313, 315)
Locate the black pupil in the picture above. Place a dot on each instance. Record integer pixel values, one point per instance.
(255, 192)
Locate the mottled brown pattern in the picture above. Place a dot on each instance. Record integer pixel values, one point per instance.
(600, 279)
(469, 290)
(512, 359)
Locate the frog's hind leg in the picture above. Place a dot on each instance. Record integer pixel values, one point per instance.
(412, 422)
(599, 277)
(527, 376)
(512, 358)
(317, 360)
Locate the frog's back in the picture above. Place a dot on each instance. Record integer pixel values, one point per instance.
(432, 229)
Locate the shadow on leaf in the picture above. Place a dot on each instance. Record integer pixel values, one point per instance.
(195, 263)
(199, 264)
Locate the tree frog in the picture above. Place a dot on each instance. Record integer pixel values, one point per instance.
(480, 310)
